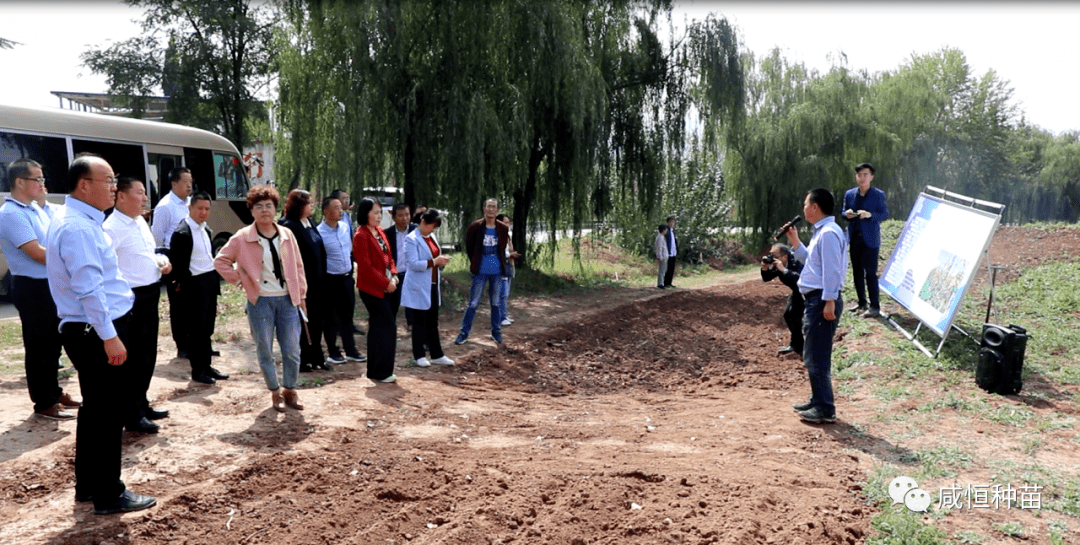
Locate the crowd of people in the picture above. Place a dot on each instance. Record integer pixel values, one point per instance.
(88, 275)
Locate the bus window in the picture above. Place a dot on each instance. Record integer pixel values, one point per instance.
(50, 151)
(229, 177)
(125, 159)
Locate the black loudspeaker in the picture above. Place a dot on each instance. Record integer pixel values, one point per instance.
(1001, 359)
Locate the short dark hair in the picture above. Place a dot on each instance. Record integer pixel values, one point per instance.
(80, 168)
(124, 183)
(823, 198)
(662, 227)
(174, 174)
(295, 202)
(431, 216)
(259, 193)
(671, 218)
(326, 202)
(364, 208)
(501, 217)
(399, 206)
(20, 168)
(204, 196)
(861, 166)
(336, 194)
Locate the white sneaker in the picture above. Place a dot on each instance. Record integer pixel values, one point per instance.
(507, 321)
(390, 378)
(423, 362)
(443, 361)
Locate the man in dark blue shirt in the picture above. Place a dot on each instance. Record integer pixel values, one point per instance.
(865, 209)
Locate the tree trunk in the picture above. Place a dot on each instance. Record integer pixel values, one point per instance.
(523, 200)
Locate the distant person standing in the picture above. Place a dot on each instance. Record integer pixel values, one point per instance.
(376, 279)
(395, 235)
(673, 250)
(820, 283)
(197, 286)
(865, 209)
(298, 210)
(340, 290)
(23, 236)
(346, 207)
(142, 268)
(169, 212)
(485, 244)
(511, 259)
(94, 305)
(661, 255)
(421, 292)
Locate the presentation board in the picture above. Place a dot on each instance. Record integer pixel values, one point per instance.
(935, 259)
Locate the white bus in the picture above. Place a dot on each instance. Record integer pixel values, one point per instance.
(146, 150)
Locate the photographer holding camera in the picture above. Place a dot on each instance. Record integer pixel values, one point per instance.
(781, 263)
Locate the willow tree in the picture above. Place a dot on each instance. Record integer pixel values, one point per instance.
(548, 104)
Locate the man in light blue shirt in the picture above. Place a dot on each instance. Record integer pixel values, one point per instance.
(820, 283)
(94, 304)
(22, 238)
(340, 286)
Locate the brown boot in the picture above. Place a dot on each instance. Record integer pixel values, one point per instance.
(292, 400)
(277, 400)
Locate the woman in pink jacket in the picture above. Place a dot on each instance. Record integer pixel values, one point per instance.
(264, 259)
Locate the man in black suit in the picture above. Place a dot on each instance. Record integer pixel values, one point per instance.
(197, 284)
(395, 235)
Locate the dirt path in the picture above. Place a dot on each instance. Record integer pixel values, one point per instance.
(591, 425)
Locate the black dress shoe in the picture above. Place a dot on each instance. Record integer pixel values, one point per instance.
(799, 407)
(156, 414)
(216, 374)
(142, 426)
(306, 368)
(214, 352)
(324, 366)
(785, 350)
(857, 308)
(81, 497)
(203, 378)
(127, 502)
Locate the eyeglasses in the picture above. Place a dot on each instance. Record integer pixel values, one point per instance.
(40, 180)
(268, 205)
(106, 181)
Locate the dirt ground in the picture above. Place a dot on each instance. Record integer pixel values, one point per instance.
(627, 415)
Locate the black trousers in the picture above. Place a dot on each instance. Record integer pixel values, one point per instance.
(864, 267)
(311, 352)
(395, 301)
(670, 274)
(177, 320)
(381, 336)
(793, 317)
(426, 327)
(101, 418)
(142, 350)
(340, 308)
(199, 294)
(41, 339)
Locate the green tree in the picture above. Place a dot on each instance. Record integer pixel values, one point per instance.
(212, 58)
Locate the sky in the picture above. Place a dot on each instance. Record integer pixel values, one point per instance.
(1027, 44)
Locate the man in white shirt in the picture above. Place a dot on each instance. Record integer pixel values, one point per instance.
(169, 212)
(197, 285)
(142, 268)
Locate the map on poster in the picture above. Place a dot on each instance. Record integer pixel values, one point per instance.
(939, 249)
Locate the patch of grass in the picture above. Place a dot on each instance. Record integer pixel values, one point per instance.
(942, 461)
(901, 526)
(10, 333)
(893, 391)
(1011, 416)
(1011, 529)
(1058, 530)
(968, 536)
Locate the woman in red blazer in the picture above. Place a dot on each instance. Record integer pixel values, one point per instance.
(376, 275)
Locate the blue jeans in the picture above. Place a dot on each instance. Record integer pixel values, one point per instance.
(504, 295)
(817, 350)
(494, 282)
(266, 315)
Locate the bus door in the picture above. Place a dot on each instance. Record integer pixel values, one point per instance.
(160, 161)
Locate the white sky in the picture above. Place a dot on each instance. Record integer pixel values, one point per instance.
(1027, 44)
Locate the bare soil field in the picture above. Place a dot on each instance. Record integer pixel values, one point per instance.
(620, 416)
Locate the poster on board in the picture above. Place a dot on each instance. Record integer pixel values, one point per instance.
(935, 259)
